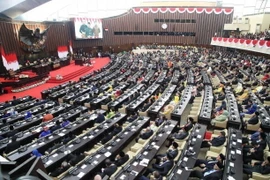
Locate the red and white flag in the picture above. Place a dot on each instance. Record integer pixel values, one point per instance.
(62, 51)
(70, 47)
(10, 61)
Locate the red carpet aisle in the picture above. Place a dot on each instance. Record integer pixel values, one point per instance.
(35, 92)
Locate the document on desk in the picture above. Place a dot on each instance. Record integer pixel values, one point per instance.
(108, 154)
(123, 177)
(145, 153)
(238, 152)
(134, 173)
(49, 162)
(135, 163)
(42, 143)
(231, 178)
(156, 147)
(84, 166)
(81, 174)
(179, 171)
(55, 155)
(144, 162)
(61, 134)
(231, 164)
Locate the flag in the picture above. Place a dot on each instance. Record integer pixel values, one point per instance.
(10, 61)
(70, 47)
(62, 51)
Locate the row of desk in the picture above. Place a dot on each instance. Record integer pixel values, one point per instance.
(181, 106)
(162, 100)
(44, 143)
(94, 161)
(82, 142)
(264, 115)
(189, 154)
(138, 164)
(134, 105)
(232, 107)
(115, 104)
(207, 106)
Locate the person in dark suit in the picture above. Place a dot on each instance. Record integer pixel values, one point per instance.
(64, 166)
(121, 159)
(216, 141)
(163, 168)
(109, 169)
(56, 126)
(180, 135)
(189, 125)
(13, 145)
(145, 133)
(209, 164)
(100, 118)
(132, 117)
(156, 175)
(74, 159)
(172, 151)
(211, 174)
(15, 101)
(11, 132)
(256, 153)
(116, 129)
(254, 119)
(259, 167)
(68, 138)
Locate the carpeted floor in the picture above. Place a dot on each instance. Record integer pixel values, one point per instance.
(35, 92)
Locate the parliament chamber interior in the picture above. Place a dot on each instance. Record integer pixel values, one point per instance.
(150, 90)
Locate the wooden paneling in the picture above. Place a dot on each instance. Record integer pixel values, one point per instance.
(60, 33)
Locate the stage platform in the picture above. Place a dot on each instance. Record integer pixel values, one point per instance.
(67, 73)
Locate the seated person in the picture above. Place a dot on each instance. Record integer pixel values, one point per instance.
(46, 131)
(121, 159)
(12, 131)
(36, 153)
(109, 169)
(216, 141)
(220, 89)
(74, 159)
(254, 137)
(222, 106)
(64, 166)
(163, 168)
(160, 120)
(153, 126)
(13, 145)
(250, 108)
(132, 117)
(253, 120)
(146, 105)
(258, 167)
(189, 124)
(28, 115)
(110, 114)
(56, 126)
(65, 123)
(215, 173)
(172, 151)
(54, 147)
(209, 164)
(156, 176)
(100, 118)
(176, 98)
(256, 152)
(180, 135)
(47, 117)
(220, 118)
(116, 129)
(145, 133)
(68, 138)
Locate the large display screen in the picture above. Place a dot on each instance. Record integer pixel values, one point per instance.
(88, 28)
